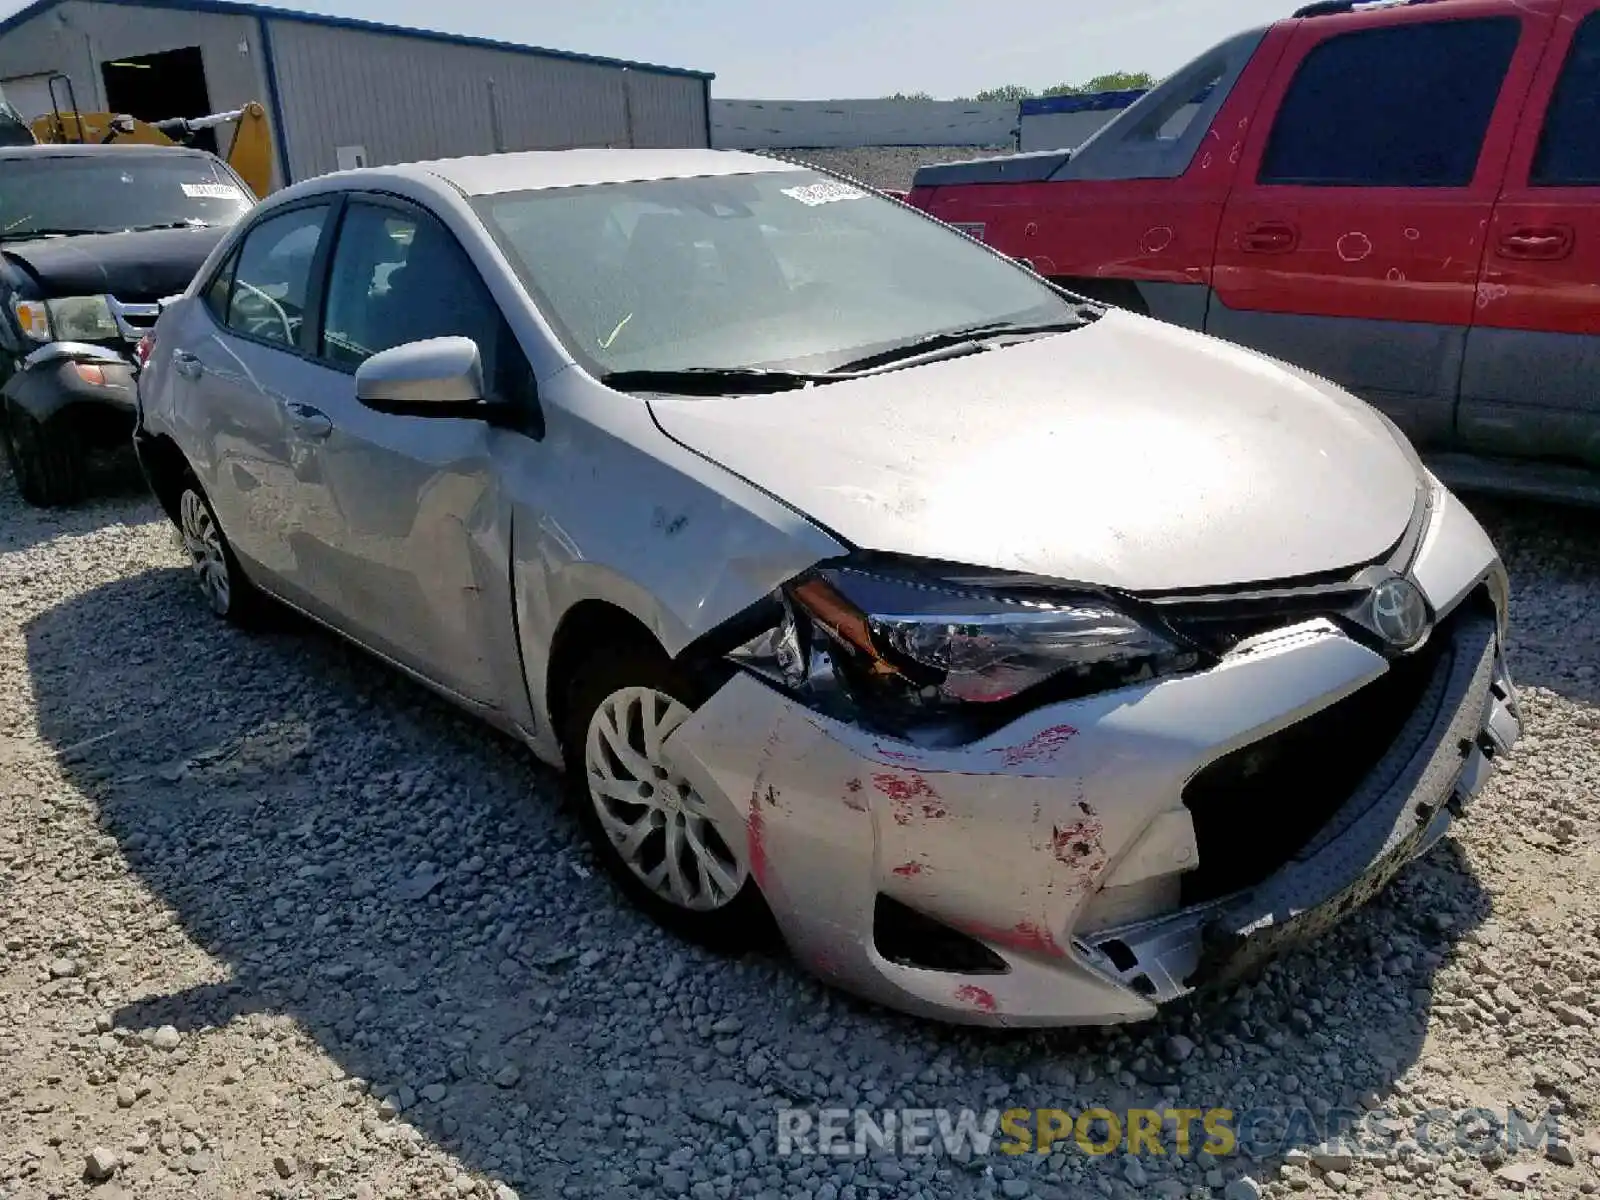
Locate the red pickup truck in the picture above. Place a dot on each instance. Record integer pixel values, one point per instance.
(1401, 197)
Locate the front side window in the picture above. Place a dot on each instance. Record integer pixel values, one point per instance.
(397, 277)
(1569, 147)
(782, 269)
(46, 194)
(272, 278)
(1398, 106)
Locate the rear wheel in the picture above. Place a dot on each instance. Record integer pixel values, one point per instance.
(673, 853)
(45, 456)
(223, 585)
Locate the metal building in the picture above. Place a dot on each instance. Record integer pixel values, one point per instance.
(339, 92)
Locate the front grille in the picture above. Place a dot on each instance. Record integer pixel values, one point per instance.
(1256, 807)
(1217, 624)
(134, 320)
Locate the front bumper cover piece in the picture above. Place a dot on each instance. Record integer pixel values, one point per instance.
(1437, 764)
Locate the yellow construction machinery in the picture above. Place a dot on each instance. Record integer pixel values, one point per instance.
(249, 152)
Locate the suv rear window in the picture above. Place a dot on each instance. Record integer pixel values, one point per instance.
(1398, 106)
(1569, 147)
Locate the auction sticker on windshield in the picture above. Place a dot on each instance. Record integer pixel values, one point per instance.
(211, 191)
(823, 193)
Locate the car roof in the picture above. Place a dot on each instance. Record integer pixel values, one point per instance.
(96, 150)
(532, 170)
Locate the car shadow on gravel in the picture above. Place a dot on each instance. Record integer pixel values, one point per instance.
(114, 481)
(398, 879)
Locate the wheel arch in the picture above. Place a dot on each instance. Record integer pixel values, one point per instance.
(588, 624)
(165, 469)
(36, 393)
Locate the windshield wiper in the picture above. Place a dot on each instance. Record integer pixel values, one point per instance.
(716, 381)
(974, 335)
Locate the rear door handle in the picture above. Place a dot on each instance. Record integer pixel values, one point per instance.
(1269, 237)
(307, 421)
(187, 365)
(1541, 242)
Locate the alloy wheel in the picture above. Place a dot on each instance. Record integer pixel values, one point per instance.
(654, 818)
(203, 542)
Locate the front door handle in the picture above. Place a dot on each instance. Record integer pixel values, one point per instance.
(1269, 237)
(1539, 242)
(187, 365)
(307, 421)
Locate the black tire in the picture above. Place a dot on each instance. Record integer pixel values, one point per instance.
(46, 457)
(211, 557)
(740, 923)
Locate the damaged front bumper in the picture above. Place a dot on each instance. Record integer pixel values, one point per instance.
(61, 375)
(1046, 862)
(1435, 768)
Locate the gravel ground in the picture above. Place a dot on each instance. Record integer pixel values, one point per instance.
(276, 922)
(889, 166)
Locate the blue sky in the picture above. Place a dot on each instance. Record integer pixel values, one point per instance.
(836, 49)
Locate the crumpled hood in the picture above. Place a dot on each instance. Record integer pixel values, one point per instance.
(137, 268)
(1130, 454)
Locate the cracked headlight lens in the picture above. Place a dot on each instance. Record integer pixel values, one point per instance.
(905, 645)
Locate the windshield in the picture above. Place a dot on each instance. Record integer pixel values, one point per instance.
(783, 269)
(14, 130)
(107, 193)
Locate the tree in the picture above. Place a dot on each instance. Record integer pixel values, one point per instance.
(1010, 93)
(1120, 81)
(1112, 81)
(910, 96)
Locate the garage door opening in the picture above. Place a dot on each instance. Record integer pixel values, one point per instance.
(154, 87)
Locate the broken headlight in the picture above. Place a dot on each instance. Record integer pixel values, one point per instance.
(81, 319)
(904, 646)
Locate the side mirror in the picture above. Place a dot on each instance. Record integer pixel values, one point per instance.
(438, 377)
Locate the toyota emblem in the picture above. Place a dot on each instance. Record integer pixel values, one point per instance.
(1399, 612)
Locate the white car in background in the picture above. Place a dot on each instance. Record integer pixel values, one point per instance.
(1026, 662)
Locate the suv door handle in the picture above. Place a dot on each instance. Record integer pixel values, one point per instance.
(1541, 242)
(1269, 237)
(307, 421)
(187, 365)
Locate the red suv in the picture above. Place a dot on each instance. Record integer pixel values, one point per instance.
(1402, 197)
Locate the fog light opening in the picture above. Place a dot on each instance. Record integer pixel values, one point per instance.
(910, 939)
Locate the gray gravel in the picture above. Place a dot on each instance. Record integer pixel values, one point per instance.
(277, 923)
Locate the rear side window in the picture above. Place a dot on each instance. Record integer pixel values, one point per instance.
(1399, 106)
(1569, 147)
(272, 279)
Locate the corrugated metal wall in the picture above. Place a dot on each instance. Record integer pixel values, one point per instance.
(77, 36)
(399, 98)
(403, 99)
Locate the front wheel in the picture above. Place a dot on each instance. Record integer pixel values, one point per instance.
(676, 855)
(45, 456)
(223, 585)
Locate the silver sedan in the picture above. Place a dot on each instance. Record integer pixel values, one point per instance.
(1020, 661)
